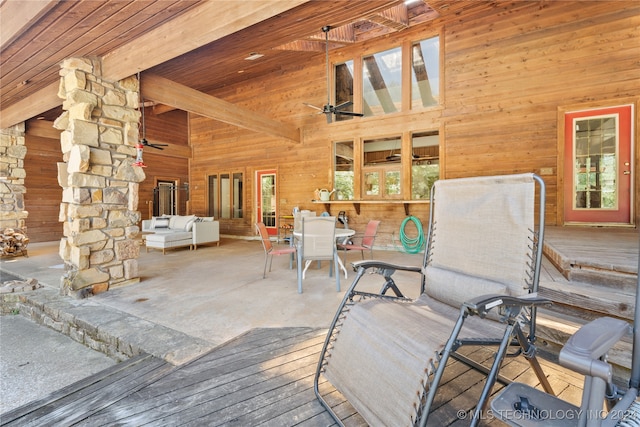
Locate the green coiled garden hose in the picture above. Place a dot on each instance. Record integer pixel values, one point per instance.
(412, 245)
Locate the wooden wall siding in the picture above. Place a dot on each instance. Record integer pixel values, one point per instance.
(170, 127)
(503, 88)
(44, 194)
(507, 70)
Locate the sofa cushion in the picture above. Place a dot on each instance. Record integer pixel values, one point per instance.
(182, 222)
(166, 238)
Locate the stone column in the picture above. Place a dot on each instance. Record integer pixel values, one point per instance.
(12, 174)
(100, 184)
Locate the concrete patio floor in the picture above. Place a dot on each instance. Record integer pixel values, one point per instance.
(210, 295)
(213, 293)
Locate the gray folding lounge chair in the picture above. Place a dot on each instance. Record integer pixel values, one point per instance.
(386, 354)
(585, 352)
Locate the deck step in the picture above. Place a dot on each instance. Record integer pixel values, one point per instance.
(553, 329)
(611, 279)
(596, 256)
(588, 301)
(77, 401)
(586, 271)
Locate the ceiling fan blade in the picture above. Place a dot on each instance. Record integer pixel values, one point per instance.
(343, 105)
(313, 106)
(349, 113)
(153, 145)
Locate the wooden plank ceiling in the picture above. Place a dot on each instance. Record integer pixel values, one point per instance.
(178, 40)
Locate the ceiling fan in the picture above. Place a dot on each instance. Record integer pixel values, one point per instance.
(329, 109)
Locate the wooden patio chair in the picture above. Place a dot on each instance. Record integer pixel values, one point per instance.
(387, 353)
(366, 241)
(270, 250)
(585, 353)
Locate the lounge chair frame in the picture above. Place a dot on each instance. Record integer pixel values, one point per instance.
(586, 353)
(515, 311)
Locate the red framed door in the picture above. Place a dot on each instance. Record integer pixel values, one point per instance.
(267, 209)
(598, 165)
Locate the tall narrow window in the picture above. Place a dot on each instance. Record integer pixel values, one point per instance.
(237, 195)
(344, 88)
(425, 73)
(425, 163)
(382, 82)
(343, 170)
(226, 195)
(214, 198)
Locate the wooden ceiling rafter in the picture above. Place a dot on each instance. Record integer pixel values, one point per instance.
(396, 17)
(343, 34)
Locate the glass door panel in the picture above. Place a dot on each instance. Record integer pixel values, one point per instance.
(598, 166)
(267, 211)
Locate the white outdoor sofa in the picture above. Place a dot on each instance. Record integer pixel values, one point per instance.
(174, 231)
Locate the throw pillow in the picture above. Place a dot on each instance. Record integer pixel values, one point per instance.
(181, 222)
(160, 223)
(189, 224)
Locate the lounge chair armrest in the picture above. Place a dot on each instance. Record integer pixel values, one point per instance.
(483, 304)
(384, 269)
(366, 264)
(585, 348)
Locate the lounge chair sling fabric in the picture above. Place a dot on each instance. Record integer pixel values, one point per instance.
(382, 352)
(485, 233)
(402, 362)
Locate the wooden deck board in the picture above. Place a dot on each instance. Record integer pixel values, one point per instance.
(603, 248)
(204, 386)
(265, 377)
(73, 403)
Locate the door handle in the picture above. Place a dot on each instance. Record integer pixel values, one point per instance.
(626, 173)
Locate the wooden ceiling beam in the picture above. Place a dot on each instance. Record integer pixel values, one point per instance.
(161, 109)
(197, 27)
(168, 92)
(43, 100)
(202, 25)
(17, 16)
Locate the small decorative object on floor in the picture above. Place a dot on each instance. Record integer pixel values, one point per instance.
(13, 241)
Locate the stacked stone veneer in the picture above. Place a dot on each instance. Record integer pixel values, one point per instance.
(12, 174)
(100, 184)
